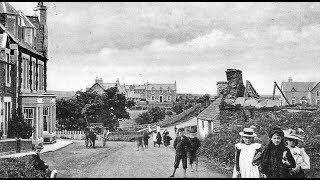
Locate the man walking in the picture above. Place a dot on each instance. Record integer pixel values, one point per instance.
(93, 137)
(181, 145)
(105, 136)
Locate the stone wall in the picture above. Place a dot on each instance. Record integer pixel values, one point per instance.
(222, 87)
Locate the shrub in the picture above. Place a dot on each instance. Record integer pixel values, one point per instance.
(23, 167)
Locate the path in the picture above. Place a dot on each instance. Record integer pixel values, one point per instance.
(119, 159)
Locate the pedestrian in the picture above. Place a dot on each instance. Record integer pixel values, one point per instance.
(182, 146)
(166, 139)
(105, 136)
(139, 142)
(154, 139)
(93, 137)
(195, 145)
(247, 155)
(146, 140)
(299, 154)
(159, 139)
(87, 141)
(277, 159)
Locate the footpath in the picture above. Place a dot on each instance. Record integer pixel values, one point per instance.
(46, 148)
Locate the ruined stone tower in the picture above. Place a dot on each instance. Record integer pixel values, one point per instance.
(235, 83)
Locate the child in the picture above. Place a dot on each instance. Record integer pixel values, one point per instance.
(159, 139)
(300, 156)
(166, 139)
(181, 145)
(246, 156)
(277, 159)
(195, 145)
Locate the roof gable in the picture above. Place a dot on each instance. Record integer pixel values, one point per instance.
(212, 112)
(5, 7)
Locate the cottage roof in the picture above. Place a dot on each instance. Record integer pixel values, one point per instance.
(298, 86)
(5, 7)
(211, 112)
(159, 86)
(25, 21)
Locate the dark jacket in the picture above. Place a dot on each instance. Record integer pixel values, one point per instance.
(92, 136)
(166, 140)
(195, 144)
(271, 162)
(159, 139)
(182, 145)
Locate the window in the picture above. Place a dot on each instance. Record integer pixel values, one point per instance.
(318, 102)
(202, 124)
(293, 101)
(318, 94)
(34, 74)
(169, 98)
(304, 102)
(152, 98)
(45, 118)
(28, 115)
(26, 73)
(8, 70)
(7, 115)
(28, 35)
(160, 98)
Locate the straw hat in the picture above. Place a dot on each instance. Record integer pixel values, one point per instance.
(248, 132)
(291, 134)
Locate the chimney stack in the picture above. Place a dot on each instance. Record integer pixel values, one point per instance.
(290, 79)
(43, 31)
(99, 80)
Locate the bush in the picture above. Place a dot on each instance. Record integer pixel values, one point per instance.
(220, 146)
(18, 127)
(23, 167)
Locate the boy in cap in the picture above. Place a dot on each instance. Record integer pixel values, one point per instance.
(182, 146)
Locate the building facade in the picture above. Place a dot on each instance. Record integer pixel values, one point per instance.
(300, 92)
(24, 65)
(146, 95)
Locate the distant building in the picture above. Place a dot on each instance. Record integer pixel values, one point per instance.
(145, 95)
(300, 92)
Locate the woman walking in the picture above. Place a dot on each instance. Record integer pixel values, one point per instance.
(246, 156)
(159, 139)
(277, 159)
(300, 156)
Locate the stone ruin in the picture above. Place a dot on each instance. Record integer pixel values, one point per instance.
(233, 87)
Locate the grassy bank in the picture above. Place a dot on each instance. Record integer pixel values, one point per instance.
(219, 148)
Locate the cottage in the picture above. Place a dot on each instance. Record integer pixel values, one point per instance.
(23, 57)
(208, 120)
(300, 92)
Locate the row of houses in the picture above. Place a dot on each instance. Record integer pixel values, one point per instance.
(145, 95)
(23, 69)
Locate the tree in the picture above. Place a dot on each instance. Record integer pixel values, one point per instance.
(178, 107)
(144, 118)
(18, 127)
(157, 114)
(69, 116)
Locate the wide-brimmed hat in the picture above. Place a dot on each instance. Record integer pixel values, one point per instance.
(291, 134)
(248, 132)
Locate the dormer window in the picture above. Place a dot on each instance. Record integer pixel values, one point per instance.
(28, 35)
(11, 24)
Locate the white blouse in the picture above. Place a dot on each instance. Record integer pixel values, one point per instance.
(301, 157)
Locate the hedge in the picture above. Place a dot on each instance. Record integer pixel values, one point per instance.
(219, 147)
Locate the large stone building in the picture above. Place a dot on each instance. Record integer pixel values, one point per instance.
(23, 69)
(145, 95)
(300, 92)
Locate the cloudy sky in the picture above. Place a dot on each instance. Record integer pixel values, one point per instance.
(192, 43)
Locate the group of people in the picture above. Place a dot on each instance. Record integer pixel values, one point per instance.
(158, 139)
(185, 147)
(91, 137)
(282, 158)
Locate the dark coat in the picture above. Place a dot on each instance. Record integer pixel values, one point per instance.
(182, 145)
(92, 136)
(166, 140)
(195, 144)
(271, 162)
(159, 139)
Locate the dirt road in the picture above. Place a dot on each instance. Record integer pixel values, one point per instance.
(118, 159)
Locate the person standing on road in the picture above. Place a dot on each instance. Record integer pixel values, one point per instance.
(182, 146)
(247, 155)
(195, 145)
(277, 159)
(146, 140)
(299, 154)
(159, 139)
(139, 140)
(166, 139)
(154, 139)
(105, 136)
(87, 136)
(93, 137)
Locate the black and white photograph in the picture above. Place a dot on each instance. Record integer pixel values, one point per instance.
(159, 90)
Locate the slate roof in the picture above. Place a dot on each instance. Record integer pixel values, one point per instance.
(211, 112)
(159, 86)
(298, 86)
(5, 7)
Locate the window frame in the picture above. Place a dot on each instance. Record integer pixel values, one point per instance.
(26, 114)
(7, 70)
(46, 118)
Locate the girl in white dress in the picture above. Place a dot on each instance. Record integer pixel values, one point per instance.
(299, 154)
(246, 156)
